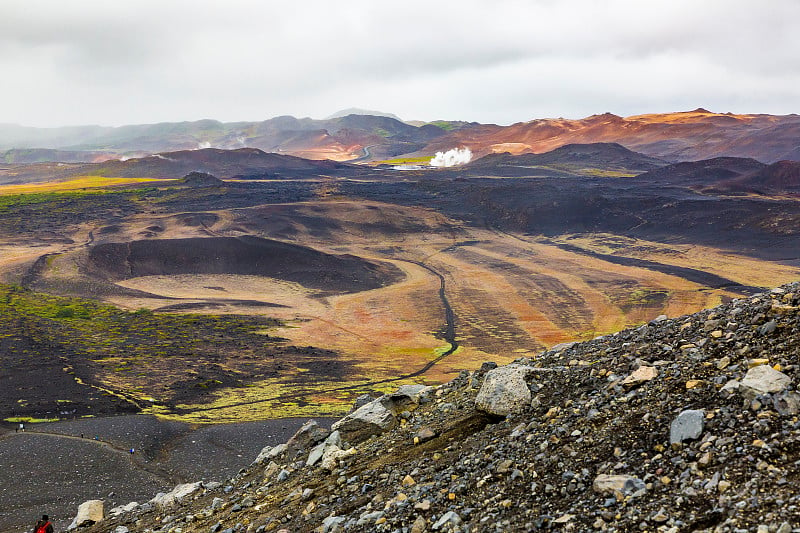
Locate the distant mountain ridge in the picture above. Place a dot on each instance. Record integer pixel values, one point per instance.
(341, 138)
(683, 136)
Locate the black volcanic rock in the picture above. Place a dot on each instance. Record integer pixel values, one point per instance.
(702, 173)
(201, 179)
(783, 176)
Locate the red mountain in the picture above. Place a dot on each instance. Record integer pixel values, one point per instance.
(685, 136)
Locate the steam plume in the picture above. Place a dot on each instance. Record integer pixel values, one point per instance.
(451, 158)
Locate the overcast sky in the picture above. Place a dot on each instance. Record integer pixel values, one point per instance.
(502, 61)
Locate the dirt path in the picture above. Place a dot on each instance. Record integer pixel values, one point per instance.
(156, 471)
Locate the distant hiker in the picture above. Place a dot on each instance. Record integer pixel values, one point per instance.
(22, 427)
(81, 435)
(132, 450)
(96, 437)
(44, 525)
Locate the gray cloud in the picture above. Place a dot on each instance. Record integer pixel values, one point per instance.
(503, 61)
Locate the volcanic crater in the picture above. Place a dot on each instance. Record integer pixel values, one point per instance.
(243, 255)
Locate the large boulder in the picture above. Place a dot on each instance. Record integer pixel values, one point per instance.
(504, 390)
(307, 436)
(120, 509)
(763, 379)
(409, 396)
(370, 419)
(269, 453)
(177, 494)
(89, 512)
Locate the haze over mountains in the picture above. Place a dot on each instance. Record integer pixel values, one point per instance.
(674, 137)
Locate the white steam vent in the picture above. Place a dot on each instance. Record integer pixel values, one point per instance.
(451, 158)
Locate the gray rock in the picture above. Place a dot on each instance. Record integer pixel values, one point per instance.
(371, 419)
(121, 529)
(687, 426)
(563, 346)
(504, 390)
(448, 518)
(308, 435)
(332, 523)
(315, 454)
(408, 396)
(89, 512)
(769, 327)
(177, 494)
(730, 387)
(361, 401)
(369, 518)
(269, 453)
(763, 379)
(412, 392)
(116, 511)
(333, 441)
(787, 403)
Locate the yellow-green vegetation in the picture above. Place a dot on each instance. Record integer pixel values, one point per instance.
(642, 297)
(81, 182)
(274, 398)
(191, 367)
(405, 161)
(28, 420)
(443, 124)
(139, 356)
(606, 173)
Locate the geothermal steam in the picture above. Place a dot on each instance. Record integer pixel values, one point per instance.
(451, 158)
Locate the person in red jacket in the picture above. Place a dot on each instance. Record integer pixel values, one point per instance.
(44, 525)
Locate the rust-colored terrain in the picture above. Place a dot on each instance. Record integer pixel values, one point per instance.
(686, 136)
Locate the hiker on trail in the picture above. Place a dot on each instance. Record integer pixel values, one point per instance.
(22, 427)
(44, 525)
(132, 450)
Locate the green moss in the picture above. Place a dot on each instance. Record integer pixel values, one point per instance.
(29, 420)
(443, 124)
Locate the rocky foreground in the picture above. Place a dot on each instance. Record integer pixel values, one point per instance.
(684, 424)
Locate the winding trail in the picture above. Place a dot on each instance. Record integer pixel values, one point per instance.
(150, 468)
(449, 336)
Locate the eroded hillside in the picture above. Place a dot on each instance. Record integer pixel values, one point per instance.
(683, 424)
